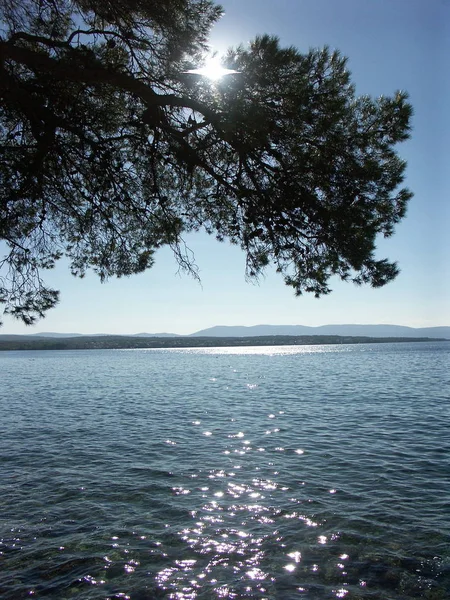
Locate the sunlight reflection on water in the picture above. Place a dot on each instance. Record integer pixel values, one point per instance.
(260, 350)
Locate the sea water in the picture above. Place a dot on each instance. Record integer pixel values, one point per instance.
(272, 472)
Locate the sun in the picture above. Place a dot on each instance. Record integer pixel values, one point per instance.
(212, 69)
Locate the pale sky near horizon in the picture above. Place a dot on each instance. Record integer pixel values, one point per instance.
(391, 44)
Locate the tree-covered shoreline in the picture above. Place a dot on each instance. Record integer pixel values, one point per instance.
(118, 342)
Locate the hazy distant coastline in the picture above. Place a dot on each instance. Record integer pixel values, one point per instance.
(219, 331)
(116, 342)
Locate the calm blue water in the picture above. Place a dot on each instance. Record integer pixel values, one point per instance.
(278, 473)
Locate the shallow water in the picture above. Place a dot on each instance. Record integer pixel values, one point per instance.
(287, 472)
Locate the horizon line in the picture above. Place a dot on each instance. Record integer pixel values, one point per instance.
(168, 333)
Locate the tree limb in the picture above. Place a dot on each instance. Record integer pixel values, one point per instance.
(96, 75)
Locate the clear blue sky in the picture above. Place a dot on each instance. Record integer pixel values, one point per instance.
(391, 44)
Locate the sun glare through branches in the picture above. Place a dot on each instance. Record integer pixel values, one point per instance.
(212, 69)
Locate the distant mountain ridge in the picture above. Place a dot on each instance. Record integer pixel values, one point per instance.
(270, 330)
(51, 334)
(343, 330)
(159, 335)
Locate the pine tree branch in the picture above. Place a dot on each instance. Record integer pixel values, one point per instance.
(98, 75)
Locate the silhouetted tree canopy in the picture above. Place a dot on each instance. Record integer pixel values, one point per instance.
(111, 150)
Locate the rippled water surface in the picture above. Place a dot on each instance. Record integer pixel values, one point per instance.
(278, 473)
